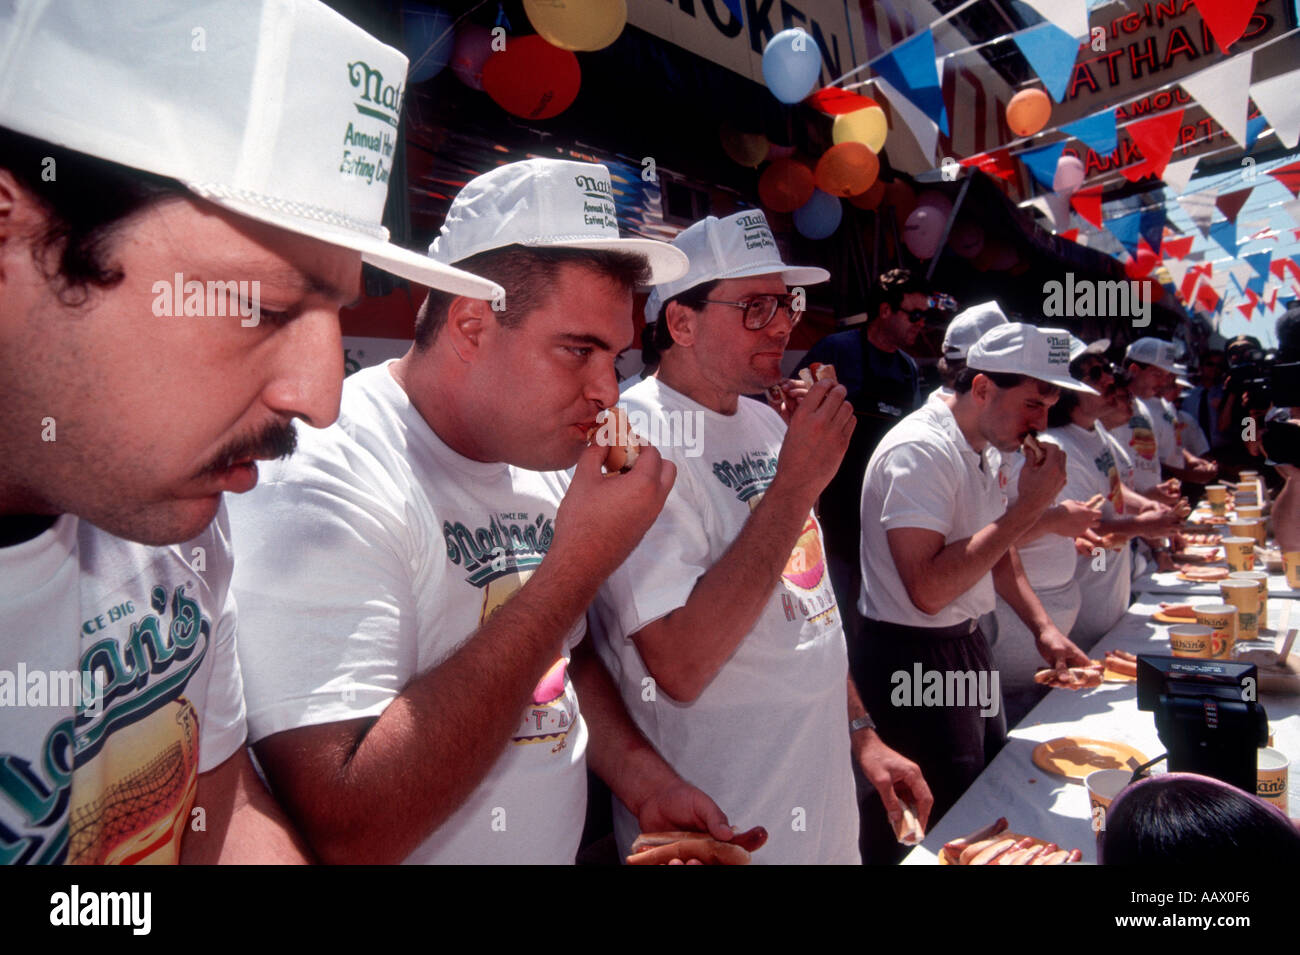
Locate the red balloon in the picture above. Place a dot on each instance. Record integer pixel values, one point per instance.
(871, 198)
(785, 185)
(532, 79)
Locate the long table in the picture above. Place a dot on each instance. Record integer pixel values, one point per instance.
(1056, 809)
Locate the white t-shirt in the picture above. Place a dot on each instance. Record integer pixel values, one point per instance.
(1189, 434)
(1138, 437)
(1049, 558)
(789, 673)
(1164, 422)
(109, 776)
(925, 474)
(367, 559)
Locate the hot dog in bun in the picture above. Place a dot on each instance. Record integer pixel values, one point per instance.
(612, 431)
(1034, 452)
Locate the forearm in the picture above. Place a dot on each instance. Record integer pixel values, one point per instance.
(1011, 585)
(961, 564)
(685, 649)
(446, 729)
(1049, 523)
(241, 823)
(617, 751)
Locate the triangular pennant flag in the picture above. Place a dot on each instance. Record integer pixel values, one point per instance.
(909, 68)
(1208, 299)
(997, 164)
(1152, 226)
(1156, 138)
(1292, 209)
(1223, 90)
(1277, 100)
(1200, 207)
(1258, 261)
(1281, 267)
(1087, 202)
(1125, 229)
(1289, 176)
(1098, 131)
(1230, 203)
(835, 101)
(1177, 269)
(1254, 127)
(1042, 161)
(921, 126)
(1071, 234)
(1051, 52)
(1070, 15)
(1246, 309)
(1227, 19)
(1255, 286)
(1179, 174)
(1272, 299)
(1237, 285)
(1178, 247)
(1225, 233)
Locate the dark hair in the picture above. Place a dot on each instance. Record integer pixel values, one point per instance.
(890, 289)
(1288, 335)
(1186, 819)
(527, 275)
(655, 337)
(949, 369)
(1004, 380)
(85, 200)
(1058, 416)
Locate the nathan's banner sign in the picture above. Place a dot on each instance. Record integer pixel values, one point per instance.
(709, 29)
(1156, 42)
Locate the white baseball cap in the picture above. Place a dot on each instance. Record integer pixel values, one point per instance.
(279, 110)
(969, 325)
(1079, 348)
(1020, 349)
(737, 246)
(1180, 376)
(1153, 351)
(550, 203)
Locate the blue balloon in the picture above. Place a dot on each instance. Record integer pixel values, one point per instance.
(791, 65)
(427, 41)
(819, 216)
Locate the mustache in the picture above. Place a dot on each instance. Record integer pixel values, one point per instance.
(278, 440)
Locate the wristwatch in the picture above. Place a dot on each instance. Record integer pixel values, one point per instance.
(862, 723)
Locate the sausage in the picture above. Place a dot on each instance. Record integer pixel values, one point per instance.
(992, 829)
(989, 853)
(1017, 852)
(708, 851)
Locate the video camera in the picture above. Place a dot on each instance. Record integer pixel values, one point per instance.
(1206, 715)
(1254, 374)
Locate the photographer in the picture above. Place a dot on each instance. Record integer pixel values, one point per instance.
(1282, 437)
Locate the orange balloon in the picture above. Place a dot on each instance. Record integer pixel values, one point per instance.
(786, 184)
(1028, 112)
(871, 198)
(847, 169)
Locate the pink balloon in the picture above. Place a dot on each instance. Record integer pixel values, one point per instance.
(1069, 175)
(936, 200)
(473, 47)
(923, 231)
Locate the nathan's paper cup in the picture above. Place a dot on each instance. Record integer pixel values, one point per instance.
(1271, 777)
(1217, 495)
(1103, 785)
(1291, 563)
(1261, 581)
(1251, 512)
(1190, 640)
(1222, 621)
(1239, 552)
(1254, 529)
(1244, 595)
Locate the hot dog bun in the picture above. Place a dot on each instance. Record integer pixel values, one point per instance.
(1034, 451)
(613, 431)
(908, 830)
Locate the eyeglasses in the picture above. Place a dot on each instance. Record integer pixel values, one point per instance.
(915, 315)
(761, 309)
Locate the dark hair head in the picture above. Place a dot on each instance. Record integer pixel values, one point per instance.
(949, 369)
(655, 337)
(527, 274)
(1186, 819)
(1059, 414)
(1288, 334)
(85, 200)
(890, 289)
(965, 378)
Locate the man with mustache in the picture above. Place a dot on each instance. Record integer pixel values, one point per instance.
(415, 578)
(127, 411)
(722, 627)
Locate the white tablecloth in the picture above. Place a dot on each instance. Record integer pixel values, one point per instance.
(1049, 807)
(1168, 583)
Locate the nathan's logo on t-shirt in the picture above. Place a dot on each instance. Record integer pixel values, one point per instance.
(510, 543)
(1144, 439)
(115, 779)
(749, 477)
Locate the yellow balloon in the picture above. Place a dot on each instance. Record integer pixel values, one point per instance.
(867, 126)
(748, 149)
(577, 24)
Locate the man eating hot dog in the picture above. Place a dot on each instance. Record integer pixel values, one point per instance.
(722, 628)
(415, 580)
(938, 543)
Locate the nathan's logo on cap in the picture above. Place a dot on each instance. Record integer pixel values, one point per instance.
(378, 100)
(598, 202)
(757, 234)
(1058, 349)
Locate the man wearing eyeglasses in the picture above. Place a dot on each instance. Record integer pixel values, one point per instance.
(722, 627)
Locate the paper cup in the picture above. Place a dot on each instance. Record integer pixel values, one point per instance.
(1239, 552)
(1291, 563)
(1272, 777)
(1250, 513)
(1244, 595)
(1217, 495)
(1261, 581)
(1254, 529)
(1222, 621)
(1103, 785)
(1190, 640)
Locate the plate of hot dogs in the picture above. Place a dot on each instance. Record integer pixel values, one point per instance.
(995, 844)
